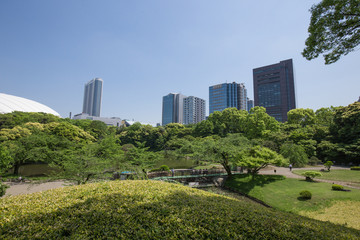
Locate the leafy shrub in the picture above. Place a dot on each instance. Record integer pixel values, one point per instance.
(164, 168)
(310, 175)
(305, 194)
(3, 188)
(151, 210)
(355, 168)
(337, 187)
(328, 165)
(161, 168)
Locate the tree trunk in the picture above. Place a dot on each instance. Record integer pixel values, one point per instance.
(227, 169)
(16, 168)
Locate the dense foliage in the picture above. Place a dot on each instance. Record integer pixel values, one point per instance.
(151, 210)
(82, 150)
(334, 29)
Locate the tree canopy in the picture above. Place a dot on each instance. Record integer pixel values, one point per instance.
(334, 29)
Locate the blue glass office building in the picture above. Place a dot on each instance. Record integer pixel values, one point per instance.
(92, 97)
(274, 89)
(227, 95)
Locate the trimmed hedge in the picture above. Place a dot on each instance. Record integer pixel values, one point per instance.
(337, 187)
(151, 210)
(305, 194)
(355, 168)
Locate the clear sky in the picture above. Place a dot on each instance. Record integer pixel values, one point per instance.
(145, 49)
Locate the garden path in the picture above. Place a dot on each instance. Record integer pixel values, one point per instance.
(289, 174)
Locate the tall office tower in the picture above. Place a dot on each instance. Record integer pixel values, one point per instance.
(242, 96)
(250, 104)
(194, 110)
(274, 89)
(227, 95)
(92, 97)
(172, 109)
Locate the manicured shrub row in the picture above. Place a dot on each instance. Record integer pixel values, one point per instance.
(337, 187)
(305, 194)
(355, 168)
(151, 210)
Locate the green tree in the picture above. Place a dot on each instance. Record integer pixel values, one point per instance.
(334, 29)
(203, 129)
(223, 150)
(328, 165)
(5, 159)
(257, 157)
(295, 153)
(81, 165)
(310, 175)
(259, 124)
(301, 116)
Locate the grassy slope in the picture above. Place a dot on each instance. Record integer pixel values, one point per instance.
(151, 210)
(350, 176)
(283, 194)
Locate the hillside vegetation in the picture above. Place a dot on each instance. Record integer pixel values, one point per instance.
(151, 210)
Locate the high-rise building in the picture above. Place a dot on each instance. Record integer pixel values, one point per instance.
(274, 89)
(92, 97)
(227, 95)
(172, 108)
(194, 110)
(250, 104)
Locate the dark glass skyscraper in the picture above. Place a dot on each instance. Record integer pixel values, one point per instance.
(173, 108)
(274, 89)
(227, 95)
(92, 97)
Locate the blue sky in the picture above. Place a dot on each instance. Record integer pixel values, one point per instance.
(146, 49)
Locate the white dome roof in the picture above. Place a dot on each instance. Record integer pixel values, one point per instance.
(10, 103)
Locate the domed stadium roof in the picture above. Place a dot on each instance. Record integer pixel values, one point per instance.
(10, 103)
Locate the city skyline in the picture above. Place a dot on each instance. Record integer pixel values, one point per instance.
(144, 50)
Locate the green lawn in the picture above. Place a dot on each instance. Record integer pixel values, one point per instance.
(283, 194)
(350, 176)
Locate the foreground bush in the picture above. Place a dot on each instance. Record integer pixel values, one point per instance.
(355, 168)
(151, 210)
(305, 194)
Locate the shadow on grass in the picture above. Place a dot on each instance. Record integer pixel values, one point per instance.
(246, 182)
(302, 199)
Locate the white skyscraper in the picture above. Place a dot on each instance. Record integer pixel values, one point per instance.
(194, 110)
(92, 97)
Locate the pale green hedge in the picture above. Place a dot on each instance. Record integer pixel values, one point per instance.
(151, 210)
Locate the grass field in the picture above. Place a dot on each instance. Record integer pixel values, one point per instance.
(283, 194)
(353, 177)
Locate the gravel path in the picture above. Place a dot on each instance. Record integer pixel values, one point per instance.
(25, 188)
(289, 174)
